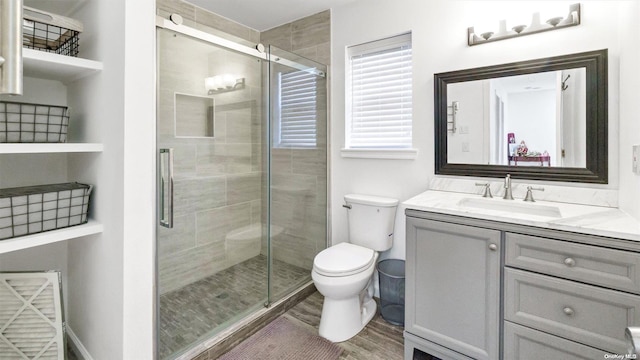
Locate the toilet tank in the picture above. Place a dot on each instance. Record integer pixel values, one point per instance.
(371, 220)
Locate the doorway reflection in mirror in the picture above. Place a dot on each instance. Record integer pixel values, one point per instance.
(547, 110)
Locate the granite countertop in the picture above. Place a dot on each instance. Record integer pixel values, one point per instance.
(585, 219)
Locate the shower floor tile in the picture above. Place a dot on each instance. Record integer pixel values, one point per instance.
(189, 313)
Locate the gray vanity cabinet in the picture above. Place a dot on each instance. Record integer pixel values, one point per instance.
(452, 292)
(484, 289)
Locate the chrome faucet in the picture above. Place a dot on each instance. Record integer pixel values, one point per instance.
(507, 188)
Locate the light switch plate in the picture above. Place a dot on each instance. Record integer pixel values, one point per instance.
(636, 159)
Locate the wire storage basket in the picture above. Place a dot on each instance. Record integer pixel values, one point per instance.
(33, 123)
(34, 209)
(49, 32)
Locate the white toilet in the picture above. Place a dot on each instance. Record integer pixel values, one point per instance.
(343, 272)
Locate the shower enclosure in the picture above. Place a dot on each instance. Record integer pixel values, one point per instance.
(242, 180)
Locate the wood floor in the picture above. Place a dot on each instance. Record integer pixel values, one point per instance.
(378, 341)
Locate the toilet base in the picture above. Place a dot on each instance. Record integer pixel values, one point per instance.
(343, 319)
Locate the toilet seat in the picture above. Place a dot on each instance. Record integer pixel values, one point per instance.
(343, 259)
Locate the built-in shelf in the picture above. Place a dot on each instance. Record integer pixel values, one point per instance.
(45, 65)
(49, 237)
(41, 148)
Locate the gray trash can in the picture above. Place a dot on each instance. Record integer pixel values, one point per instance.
(391, 276)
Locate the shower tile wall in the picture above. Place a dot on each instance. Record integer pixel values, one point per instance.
(299, 176)
(233, 164)
(309, 37)
(204, 20)
(217, 180)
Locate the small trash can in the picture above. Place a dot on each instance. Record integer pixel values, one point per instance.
(391, 276)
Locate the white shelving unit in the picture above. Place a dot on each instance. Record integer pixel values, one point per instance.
(66, 69)
(108, 274)
(44, 65)
(50, 148)
(49, 237)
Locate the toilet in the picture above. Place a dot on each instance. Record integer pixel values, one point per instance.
(343, 273)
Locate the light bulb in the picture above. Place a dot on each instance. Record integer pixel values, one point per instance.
(217, 82)
(228, 80)
(209, 83)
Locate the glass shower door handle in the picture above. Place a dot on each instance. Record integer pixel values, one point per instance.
(166, 188)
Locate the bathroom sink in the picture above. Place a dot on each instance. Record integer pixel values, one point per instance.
(511, 206)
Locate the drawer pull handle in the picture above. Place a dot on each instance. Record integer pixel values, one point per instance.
(569, 262)
(493, 247)
(568, 311)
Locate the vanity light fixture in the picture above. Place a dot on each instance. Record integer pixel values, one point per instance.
(223, 83)
(536, 26)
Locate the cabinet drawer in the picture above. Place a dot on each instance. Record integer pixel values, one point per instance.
(615, 269)
(587, 314)
(524, 343)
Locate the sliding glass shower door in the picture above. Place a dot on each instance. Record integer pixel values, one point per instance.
(298, 168)
(242, 182)
(212, 268)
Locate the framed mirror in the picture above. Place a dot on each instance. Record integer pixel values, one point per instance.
(543, 119)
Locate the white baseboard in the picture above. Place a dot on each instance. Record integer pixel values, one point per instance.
(77, 346)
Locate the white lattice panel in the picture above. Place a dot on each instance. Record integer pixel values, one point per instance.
(31, 324)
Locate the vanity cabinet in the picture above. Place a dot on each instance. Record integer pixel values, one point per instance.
(526, 293)
(452, 293)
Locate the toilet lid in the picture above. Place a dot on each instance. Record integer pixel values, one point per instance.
(343, 259)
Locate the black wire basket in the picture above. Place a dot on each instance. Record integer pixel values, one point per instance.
(49, 32)
(34, 209)
(33, 123)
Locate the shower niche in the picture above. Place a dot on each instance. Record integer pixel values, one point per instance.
(194, 116)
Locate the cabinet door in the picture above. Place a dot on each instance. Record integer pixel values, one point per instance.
(452, 282)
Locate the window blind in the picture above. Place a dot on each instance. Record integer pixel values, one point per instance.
(381, 94)
(298, 110)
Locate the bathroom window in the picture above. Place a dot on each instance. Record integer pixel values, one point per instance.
(379, 99)
(297, 116)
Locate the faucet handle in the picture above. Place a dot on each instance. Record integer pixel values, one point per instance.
(487, 189)
(507, 181)
(529, 196)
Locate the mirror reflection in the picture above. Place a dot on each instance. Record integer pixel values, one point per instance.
(534, 119)
(516, 118)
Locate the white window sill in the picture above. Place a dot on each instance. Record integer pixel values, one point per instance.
(388, 154)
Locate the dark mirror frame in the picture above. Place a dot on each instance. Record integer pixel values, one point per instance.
(596, 170)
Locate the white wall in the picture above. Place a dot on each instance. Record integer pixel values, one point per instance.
(532, 118)
(469, 144)
(439, 44)
(138, 326)
(629, 105)
(95, 312)
(111, 275)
